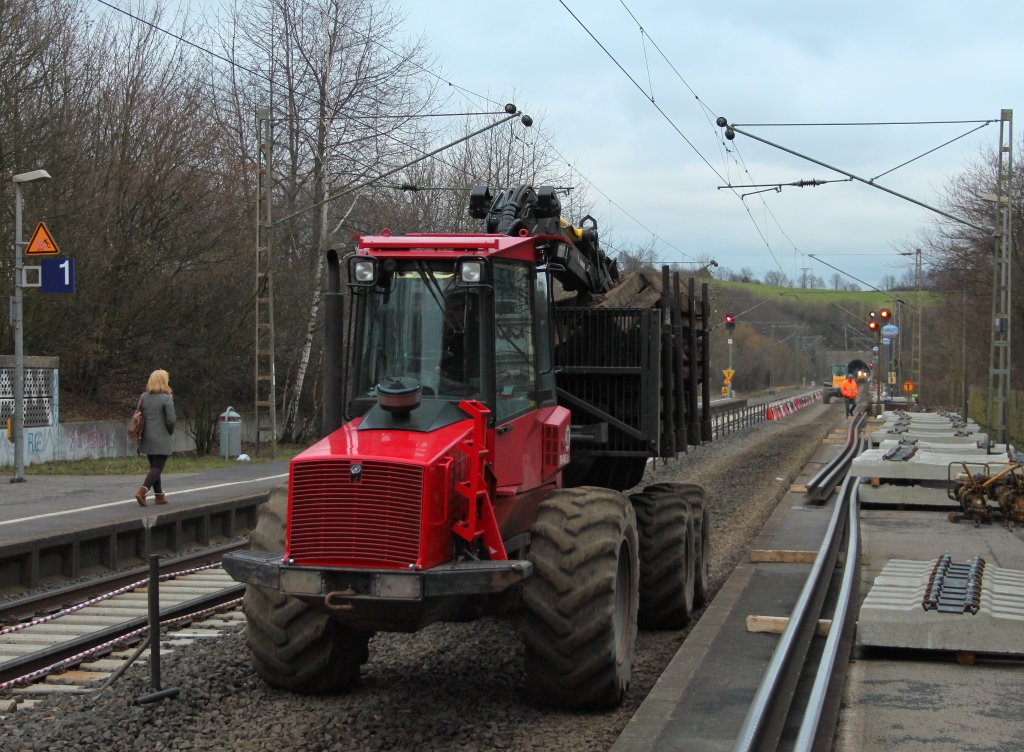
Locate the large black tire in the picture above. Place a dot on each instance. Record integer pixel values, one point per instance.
(667, 559)
(580, 604)
(293, 645)
(696, 497)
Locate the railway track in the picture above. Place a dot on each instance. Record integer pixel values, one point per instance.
(458, 663)
(56, 640)
(798, 666)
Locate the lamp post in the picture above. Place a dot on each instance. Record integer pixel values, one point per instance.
(18, 424)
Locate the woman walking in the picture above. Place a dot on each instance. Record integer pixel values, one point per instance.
(156, 443)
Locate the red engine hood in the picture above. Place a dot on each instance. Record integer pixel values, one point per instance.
(379, 498)
(394, 445)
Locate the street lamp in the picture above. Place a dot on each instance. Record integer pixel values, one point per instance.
(18, 424)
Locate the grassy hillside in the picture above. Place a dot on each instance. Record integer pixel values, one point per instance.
(786, 335)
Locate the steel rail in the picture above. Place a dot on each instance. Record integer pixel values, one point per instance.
(819, 722)
(17, 609)
(766, 718)
(824, 482)
(20, 666)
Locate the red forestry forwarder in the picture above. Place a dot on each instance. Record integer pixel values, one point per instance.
(490, 434)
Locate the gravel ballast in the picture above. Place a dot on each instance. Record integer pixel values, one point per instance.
(447, 687)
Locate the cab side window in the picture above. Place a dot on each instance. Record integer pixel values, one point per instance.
(514, 354)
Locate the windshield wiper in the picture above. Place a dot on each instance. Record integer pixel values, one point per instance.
(438, 295)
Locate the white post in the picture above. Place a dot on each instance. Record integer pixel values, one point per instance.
(18, 424)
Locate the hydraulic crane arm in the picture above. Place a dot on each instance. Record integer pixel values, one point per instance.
(576, 260)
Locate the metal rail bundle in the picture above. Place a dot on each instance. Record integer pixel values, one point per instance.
(824, 482)
(767, 717)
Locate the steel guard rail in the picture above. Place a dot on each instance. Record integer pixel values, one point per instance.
(737, 415)
(762, 728)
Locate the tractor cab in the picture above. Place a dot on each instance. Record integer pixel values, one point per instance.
(461, 326)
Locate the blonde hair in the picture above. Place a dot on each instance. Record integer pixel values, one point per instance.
(159, 381)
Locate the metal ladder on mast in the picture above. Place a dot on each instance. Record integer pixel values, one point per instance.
(266, 402)
(999, 362)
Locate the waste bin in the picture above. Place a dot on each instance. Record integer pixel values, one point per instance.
(230, 424)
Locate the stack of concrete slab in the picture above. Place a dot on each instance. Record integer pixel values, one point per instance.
(923, 464)
(893, 613)
(939, 428)
(920, 453)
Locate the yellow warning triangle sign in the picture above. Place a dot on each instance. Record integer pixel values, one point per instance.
(42, 242)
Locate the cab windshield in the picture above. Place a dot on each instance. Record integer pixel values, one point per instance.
(424, 327)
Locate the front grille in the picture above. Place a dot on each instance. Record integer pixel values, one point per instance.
(372, 521)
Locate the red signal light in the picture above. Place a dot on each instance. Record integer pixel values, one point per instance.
(885, 314)
(873, 325)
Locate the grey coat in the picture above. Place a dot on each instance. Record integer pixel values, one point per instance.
(160, 419)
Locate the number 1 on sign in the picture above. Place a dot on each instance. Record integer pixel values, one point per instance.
(57, 275)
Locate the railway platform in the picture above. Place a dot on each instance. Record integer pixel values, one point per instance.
(59, 526)
(939, 700)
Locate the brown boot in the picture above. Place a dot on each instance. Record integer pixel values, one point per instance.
(161, 498)
(140, 495)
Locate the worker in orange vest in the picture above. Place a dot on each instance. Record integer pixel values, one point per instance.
(849, 391)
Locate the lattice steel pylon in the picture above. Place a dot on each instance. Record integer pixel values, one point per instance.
(999, 362)
(915, 349)
(266, 383)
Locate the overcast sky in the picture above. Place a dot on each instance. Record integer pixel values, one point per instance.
(752, 62)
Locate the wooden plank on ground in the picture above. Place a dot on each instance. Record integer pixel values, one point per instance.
(789, 556)
(778, 624)
(781, 556)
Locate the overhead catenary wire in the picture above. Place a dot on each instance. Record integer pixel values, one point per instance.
(389, 173)
(866, 123)
(640, 88)
(980, 122)
(930, 151)
(846, 273)
(267, 77)
(735, 129)
(611, 201)
(708, 114)
(234, 64)
(261, 74)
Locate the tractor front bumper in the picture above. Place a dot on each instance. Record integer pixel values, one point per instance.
(269, 570)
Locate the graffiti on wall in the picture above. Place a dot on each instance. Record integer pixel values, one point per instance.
(89, 441)
(39, 446)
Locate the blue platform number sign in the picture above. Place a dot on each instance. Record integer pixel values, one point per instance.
(57, 275)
